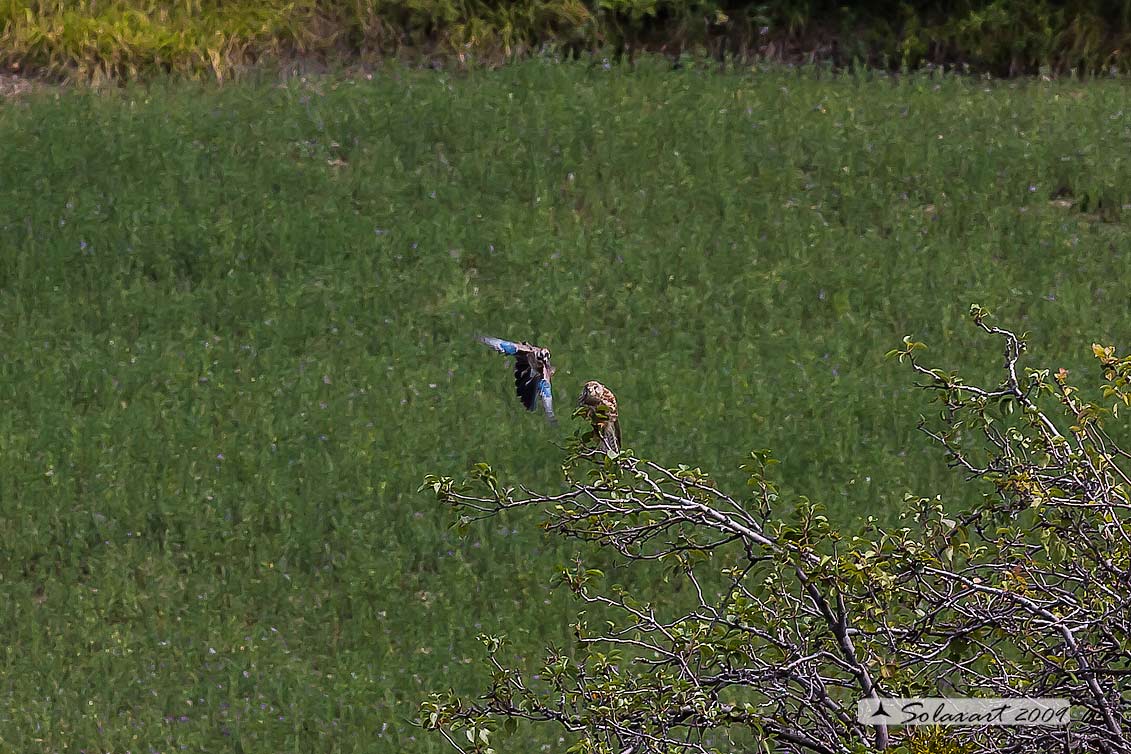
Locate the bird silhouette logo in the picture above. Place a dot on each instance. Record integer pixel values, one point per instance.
(601, 409)
(532, 372)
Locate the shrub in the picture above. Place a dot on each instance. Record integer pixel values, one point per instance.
(774, 626)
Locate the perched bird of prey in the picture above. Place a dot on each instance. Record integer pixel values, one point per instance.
(601, 409)
(532, 372)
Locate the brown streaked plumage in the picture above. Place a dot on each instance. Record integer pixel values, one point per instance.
(601, 409)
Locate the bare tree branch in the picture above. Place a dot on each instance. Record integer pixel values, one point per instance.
(787, 623)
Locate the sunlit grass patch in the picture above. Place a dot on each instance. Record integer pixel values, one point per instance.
(126, 39)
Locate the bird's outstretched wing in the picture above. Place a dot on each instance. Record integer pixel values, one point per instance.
(532, 383)
(504, 346)
(526, 379)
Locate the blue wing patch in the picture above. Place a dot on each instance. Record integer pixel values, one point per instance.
(547, 398)
(500, 345)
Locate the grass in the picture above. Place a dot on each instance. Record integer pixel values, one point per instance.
(237, 331)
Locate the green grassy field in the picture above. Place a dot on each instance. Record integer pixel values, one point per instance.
(236, 326)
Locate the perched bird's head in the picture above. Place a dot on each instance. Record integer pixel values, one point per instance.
(595, 394)
(590, 394)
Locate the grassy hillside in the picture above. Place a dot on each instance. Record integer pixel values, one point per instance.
(236, 327)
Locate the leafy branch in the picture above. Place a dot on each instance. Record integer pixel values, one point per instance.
(784, 623)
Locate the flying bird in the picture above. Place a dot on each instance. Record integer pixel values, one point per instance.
(601, 409)
(532, 372)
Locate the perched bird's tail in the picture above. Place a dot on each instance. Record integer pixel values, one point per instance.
(610, 436)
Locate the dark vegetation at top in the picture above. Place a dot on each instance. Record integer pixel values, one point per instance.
(94, 41)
